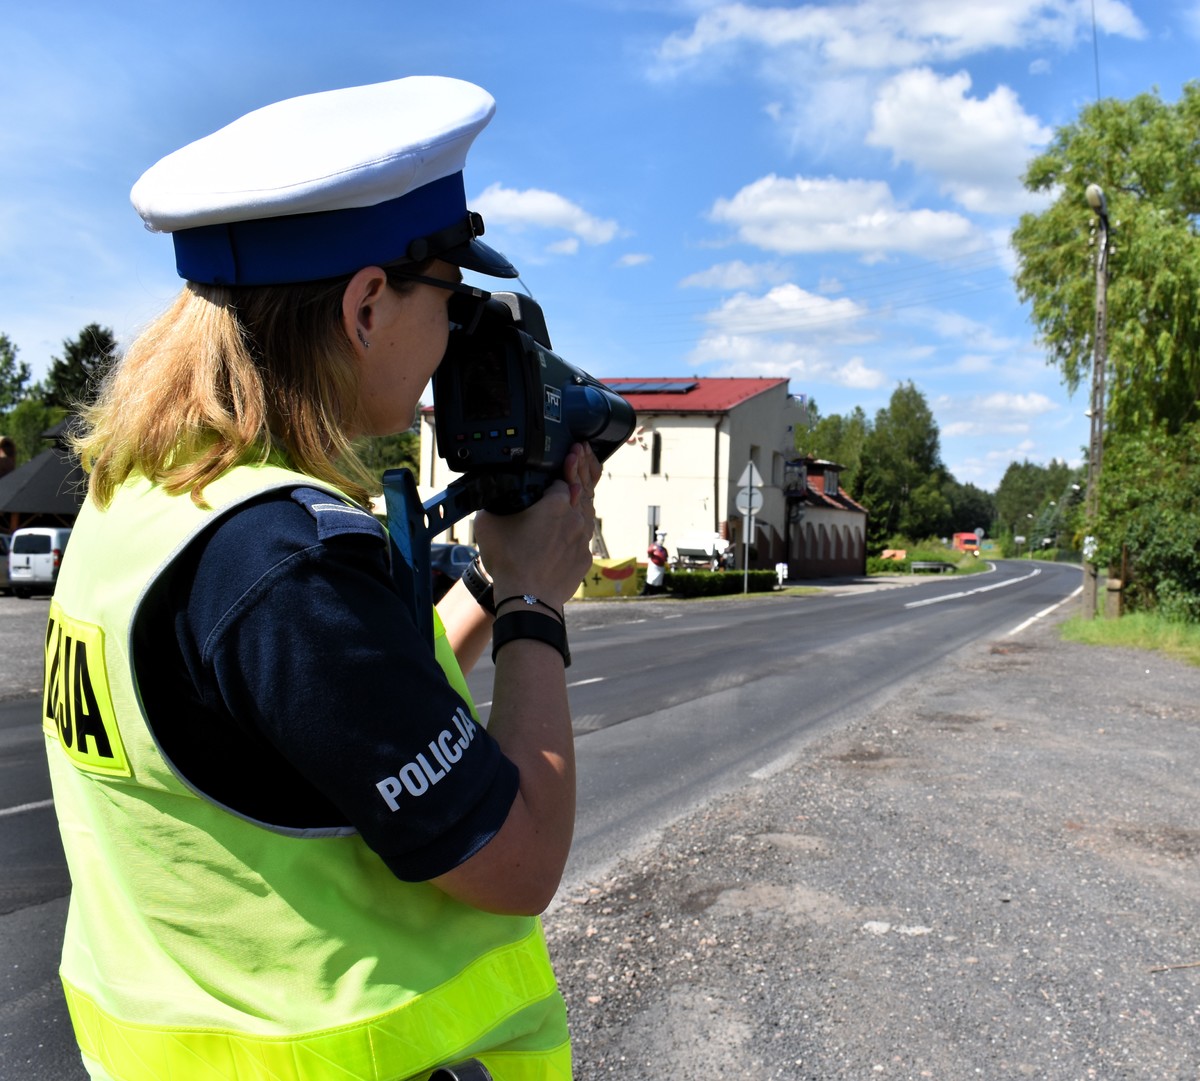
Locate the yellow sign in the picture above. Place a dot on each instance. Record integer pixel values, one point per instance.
(610, 578)
(76, 705)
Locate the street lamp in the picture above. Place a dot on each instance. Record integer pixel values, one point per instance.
(1099, 205)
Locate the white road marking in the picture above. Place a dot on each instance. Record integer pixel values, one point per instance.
(777, 765)
(1043, 613)
(971, 592)
(21, 808)
(577, 683)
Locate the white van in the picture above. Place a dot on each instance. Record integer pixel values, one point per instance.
(34, 555)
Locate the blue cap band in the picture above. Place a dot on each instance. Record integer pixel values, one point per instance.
(310, 247)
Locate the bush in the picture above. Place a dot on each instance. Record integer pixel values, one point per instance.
(718, 583)
(1150, 520)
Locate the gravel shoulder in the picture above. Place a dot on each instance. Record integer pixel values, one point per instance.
(996, 875)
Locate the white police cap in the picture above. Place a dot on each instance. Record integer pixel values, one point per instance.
(321, 185)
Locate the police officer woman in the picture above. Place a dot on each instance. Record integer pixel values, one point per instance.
(296, 851)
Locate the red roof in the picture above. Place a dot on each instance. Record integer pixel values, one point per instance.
(678, 394)
(815, 493)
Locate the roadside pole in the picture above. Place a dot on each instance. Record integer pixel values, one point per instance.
(749, 502)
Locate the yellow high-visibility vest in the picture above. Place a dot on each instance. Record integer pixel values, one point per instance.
(204, 946)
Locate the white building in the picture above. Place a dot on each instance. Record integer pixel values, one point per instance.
(696, 439)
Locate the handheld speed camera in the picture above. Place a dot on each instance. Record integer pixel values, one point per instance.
(508, 408)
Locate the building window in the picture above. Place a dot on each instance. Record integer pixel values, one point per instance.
(656, 454)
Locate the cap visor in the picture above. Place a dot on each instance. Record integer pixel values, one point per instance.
(476, 255)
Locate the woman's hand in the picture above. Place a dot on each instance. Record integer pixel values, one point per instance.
(546, 549)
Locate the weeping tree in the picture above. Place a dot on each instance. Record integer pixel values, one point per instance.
(1145, 155)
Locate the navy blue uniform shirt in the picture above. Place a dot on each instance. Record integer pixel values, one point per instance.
(285, 679)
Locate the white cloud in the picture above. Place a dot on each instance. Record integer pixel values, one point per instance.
(786, 308)
(534, 208)
(736, 275)
(974, 429)
(822, 215)
(1191, 19)
(1001, 413)
(960, 328)
(1024, 405)
(787, 332)
(978, 148)
(893, 34)
(732, 355)
(638, 258)
(856, 375)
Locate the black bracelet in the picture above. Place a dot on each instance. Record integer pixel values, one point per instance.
(543, 628)
(531, 600)
(479, 587)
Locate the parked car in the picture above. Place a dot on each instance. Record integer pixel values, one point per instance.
(448, 561)
(5, 584)
(34, 556)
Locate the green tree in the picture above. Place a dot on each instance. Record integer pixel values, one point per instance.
(971, 508)
(1145, 154)
(75, 377)
(1149, 523)
(384, 452)
(838, 439)
(26, 422)
(902, 477)
(14, 375)
(1024, 495)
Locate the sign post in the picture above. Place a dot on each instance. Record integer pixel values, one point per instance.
(749, 502)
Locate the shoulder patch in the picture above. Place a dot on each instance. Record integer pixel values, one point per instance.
(77, 707)
(335, 517)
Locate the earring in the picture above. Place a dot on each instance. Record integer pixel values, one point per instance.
(363, 338)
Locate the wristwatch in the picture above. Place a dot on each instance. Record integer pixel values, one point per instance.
(479, 586)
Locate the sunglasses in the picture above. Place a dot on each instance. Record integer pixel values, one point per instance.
(465, 307)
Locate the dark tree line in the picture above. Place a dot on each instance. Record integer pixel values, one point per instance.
(29, 409)
(892, 465)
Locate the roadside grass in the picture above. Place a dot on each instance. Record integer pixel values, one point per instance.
(1138, 630)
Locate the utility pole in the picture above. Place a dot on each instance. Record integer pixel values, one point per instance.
(1099, 205)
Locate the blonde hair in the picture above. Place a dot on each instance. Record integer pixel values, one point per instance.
(225, 377)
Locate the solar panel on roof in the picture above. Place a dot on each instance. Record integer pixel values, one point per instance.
(657, 386)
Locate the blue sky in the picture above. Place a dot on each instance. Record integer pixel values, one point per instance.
(817, 191)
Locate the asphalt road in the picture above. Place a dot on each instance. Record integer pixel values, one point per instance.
(678, 706)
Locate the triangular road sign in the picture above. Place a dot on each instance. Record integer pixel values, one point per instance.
(750, 478)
